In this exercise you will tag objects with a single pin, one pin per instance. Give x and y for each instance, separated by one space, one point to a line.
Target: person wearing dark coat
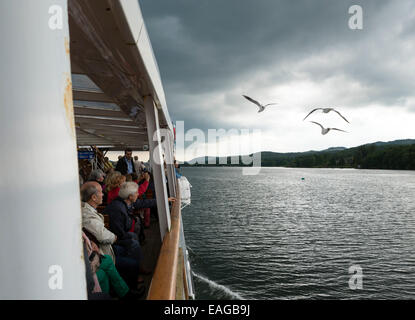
122 224
125 165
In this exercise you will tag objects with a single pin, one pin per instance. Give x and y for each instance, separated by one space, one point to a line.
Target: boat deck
151 250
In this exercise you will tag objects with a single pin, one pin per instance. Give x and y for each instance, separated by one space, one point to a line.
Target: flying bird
326 130
326 110
261 107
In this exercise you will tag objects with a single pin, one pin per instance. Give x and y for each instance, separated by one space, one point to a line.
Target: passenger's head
114 180
134 176
91 192
129 192
135 158
119 157
109 177
122 180
128 153
97 175
129 177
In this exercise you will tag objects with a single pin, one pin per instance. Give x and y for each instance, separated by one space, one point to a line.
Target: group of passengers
115 259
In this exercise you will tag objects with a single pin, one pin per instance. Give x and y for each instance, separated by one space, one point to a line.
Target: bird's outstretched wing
338 129
341 115
270 104
318 124
252 100
311 113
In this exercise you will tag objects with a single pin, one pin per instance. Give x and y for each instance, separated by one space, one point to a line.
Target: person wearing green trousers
101 263
108 277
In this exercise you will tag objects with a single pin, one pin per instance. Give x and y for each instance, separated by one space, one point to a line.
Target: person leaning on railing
143 204
176 170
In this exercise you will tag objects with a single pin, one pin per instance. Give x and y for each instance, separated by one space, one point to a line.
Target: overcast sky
300 54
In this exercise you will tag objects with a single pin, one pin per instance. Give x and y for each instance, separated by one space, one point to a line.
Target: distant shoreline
342 168
394 155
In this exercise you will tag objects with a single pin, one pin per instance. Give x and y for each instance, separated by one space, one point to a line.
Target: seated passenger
94 291
122 223
113 187
107 275
94 227
108 180
93 221
135 177
97 175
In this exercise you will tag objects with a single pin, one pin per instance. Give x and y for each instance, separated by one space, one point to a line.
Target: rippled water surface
276 236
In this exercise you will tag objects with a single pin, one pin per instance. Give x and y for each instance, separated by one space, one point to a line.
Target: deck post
42 253
171 176
154 139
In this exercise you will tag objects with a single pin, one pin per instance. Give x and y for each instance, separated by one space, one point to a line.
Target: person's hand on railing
171 199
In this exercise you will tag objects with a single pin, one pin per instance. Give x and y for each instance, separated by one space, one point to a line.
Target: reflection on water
278 236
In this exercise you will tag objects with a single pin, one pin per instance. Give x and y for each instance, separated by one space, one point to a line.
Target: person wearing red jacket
114 186
143 187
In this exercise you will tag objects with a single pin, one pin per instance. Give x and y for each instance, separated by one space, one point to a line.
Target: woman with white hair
122 223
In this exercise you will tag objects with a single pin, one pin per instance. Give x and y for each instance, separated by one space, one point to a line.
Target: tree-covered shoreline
395 155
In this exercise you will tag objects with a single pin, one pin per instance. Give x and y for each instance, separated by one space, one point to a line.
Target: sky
300 54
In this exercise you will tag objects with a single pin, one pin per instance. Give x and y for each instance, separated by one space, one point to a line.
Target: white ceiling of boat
110 76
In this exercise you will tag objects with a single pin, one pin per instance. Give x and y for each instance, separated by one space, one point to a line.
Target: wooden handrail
163 284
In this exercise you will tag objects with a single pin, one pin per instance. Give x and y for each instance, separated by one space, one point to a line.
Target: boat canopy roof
113 69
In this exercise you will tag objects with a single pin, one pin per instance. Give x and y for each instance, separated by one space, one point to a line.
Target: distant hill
398 154
202 160
334 149
395 142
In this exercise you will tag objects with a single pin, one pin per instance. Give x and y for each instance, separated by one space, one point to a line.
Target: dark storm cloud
206 47
208 44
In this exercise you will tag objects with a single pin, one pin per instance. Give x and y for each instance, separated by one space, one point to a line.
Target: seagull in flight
261 107
326 130
326 110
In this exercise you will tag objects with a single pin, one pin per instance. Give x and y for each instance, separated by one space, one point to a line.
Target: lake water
278 236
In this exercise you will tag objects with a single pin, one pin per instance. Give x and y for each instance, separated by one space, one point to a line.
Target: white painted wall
40 218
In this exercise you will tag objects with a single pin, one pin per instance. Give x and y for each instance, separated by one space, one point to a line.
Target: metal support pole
42 254
157 165
171 176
